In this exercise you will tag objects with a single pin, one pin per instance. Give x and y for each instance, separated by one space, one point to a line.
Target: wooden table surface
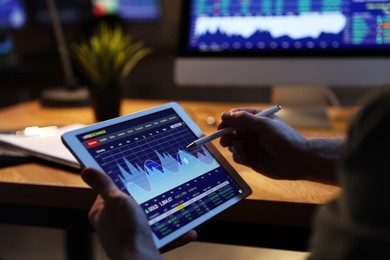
45 185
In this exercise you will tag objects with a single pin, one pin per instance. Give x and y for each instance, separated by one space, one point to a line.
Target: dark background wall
36 66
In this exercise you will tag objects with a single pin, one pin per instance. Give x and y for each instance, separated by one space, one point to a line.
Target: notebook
46 145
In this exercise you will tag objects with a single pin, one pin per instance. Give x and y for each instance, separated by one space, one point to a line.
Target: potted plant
106 59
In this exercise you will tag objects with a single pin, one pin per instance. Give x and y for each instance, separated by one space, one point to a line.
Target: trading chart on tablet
146 157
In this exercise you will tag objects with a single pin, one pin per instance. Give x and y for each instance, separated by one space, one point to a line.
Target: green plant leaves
108 56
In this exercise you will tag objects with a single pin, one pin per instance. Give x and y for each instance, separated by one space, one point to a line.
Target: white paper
49 148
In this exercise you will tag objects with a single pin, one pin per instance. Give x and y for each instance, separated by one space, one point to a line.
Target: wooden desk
58 197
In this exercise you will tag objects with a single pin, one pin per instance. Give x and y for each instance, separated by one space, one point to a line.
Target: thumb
99 182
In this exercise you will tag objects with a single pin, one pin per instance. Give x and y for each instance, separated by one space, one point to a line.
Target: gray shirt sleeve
356 225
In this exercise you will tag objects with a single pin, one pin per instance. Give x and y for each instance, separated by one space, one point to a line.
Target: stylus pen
226 130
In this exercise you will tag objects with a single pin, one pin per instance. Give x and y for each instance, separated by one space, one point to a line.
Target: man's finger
99 182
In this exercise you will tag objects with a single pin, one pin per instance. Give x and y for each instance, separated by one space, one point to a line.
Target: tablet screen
147 158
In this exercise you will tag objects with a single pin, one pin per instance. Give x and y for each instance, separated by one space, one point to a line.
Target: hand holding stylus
226 130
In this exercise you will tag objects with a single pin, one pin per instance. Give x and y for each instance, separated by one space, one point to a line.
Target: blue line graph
153 178
154 160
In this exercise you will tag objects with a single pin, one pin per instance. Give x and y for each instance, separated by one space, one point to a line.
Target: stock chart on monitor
277 25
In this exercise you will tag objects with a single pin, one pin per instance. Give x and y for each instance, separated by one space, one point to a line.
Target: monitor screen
128 10
313 45
12 14
69 11
288 27
284 42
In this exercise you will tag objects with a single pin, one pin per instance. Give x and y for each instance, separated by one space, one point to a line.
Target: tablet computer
145 154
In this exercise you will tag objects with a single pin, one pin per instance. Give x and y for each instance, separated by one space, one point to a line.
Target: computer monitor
128 10
70 12
284 44
12 14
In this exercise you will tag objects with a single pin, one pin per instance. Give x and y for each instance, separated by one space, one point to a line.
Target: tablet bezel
82 155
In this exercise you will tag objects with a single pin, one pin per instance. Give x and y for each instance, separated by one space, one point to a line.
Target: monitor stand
304 107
